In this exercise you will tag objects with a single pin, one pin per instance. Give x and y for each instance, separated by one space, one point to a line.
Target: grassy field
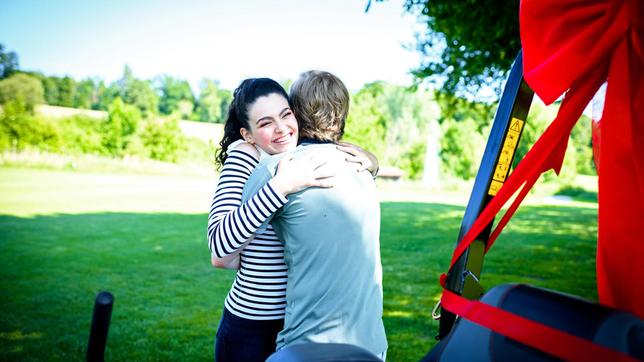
64 236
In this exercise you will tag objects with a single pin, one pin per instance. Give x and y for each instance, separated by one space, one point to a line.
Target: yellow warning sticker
505 158
495 186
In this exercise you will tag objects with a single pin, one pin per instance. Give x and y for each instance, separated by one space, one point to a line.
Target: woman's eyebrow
268 118
287 109
265 118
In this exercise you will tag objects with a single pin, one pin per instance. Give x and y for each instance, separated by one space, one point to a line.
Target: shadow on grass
578 193
548 246
168 299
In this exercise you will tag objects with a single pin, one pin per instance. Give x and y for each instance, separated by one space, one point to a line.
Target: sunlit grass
64 236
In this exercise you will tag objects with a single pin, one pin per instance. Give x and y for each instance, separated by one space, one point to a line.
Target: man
331 236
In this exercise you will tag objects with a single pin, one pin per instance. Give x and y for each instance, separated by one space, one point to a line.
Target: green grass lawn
65 236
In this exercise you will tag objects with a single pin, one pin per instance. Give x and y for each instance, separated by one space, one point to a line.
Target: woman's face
273 126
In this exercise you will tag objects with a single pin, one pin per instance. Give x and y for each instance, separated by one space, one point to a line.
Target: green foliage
163 138
578 193
578 157
468 45
366 125
123 133
538 120
213 102
198 150
94 94
8 62
138 93
391 122
461 148
119 127
85 94
23 89
458 109
81 135
66 91
581 137
106 95
173 91
50 86
20 130
413 160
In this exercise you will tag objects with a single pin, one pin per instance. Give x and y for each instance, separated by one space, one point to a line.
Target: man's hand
298 173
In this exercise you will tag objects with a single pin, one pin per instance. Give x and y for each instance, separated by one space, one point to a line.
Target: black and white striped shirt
259 289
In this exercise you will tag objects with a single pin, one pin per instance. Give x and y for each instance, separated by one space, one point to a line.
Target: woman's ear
247 136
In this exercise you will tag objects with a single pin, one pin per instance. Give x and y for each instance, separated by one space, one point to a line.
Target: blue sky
223 40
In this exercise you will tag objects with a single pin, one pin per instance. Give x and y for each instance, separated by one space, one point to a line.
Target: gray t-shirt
332 250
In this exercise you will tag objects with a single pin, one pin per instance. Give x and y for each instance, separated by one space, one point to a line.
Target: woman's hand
360 158
227 262
298 173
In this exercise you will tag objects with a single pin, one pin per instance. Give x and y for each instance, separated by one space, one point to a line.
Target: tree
468 45
391 121
50 85
21 88
366 123
106 95
212 105
172 92
138 93
8 63
226 98
85 94
66 91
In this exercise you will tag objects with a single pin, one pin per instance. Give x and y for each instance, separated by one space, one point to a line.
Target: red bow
573 47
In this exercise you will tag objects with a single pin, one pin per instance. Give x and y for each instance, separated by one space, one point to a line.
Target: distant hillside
207 132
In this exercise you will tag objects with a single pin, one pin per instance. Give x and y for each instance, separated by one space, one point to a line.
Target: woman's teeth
282 139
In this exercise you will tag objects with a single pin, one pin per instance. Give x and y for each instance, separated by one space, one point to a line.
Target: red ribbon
528 332
573 47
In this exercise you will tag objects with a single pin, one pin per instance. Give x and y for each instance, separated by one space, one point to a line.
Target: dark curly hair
245 95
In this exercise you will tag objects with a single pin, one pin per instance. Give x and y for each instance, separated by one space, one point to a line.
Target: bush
123 133
20 130
120 126
82 134
163 139
22 88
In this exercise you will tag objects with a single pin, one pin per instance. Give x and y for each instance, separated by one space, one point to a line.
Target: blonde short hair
320 102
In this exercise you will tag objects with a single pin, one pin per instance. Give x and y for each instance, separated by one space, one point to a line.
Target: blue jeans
241 339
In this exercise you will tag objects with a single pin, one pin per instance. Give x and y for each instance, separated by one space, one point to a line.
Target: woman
259 122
